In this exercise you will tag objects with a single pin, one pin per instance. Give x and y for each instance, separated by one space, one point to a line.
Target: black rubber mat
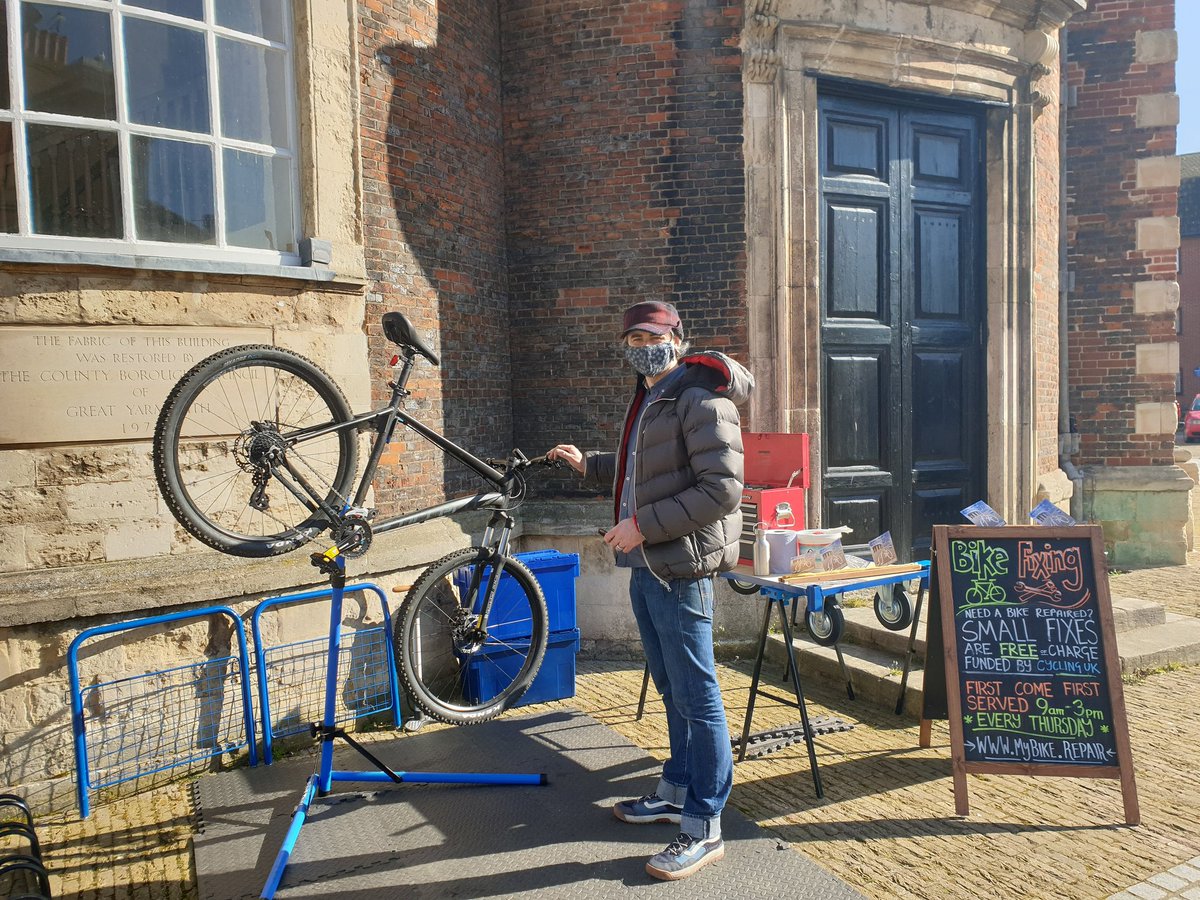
439 841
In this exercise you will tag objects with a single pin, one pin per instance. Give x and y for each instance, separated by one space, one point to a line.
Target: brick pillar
1123 238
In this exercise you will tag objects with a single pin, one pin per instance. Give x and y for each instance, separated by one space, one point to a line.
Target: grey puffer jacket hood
688 476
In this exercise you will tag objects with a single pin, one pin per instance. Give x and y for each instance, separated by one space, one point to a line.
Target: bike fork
495 542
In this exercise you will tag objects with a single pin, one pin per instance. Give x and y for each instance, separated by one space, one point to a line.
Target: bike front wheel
248 446
457 667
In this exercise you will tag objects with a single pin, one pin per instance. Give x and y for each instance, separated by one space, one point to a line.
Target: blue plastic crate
555 572
492 669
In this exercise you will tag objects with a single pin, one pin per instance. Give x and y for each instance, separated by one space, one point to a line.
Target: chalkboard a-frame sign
1022 658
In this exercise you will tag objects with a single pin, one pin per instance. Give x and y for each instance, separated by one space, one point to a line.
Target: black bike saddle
398 330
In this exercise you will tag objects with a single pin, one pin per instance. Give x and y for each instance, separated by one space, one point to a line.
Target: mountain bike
256 454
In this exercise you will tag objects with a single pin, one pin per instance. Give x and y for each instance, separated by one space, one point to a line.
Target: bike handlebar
521 462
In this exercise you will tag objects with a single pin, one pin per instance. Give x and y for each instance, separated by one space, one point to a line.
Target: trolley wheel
744 587
825 626
893 609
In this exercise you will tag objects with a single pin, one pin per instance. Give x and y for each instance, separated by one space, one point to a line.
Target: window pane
252 93
258 202
68 61
173 191
8 182
4 96
191 9
75 181
167 75
261 17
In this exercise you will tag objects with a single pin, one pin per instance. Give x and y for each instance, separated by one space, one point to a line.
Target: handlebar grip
505 464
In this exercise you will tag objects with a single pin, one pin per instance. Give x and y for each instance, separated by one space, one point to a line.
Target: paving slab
557 840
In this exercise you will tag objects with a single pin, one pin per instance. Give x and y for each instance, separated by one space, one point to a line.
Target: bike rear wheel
456 668
238 426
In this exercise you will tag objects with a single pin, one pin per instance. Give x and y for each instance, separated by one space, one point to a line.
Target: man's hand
624 536
570 454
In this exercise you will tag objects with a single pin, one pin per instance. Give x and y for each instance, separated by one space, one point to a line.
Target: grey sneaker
647 810
685 856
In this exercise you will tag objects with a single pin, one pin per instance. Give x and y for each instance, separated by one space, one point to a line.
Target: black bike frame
384 421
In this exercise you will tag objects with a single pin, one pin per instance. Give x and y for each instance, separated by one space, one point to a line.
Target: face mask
651 359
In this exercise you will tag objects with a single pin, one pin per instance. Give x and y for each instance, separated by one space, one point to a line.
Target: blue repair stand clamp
333 564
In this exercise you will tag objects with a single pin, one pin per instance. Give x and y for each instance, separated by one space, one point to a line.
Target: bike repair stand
333 564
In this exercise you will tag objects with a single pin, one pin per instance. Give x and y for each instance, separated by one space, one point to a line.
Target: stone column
767 315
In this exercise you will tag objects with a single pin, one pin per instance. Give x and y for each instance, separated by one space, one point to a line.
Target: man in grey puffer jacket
677 487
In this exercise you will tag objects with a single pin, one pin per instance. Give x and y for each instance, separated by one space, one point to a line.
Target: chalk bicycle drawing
256 453
983 593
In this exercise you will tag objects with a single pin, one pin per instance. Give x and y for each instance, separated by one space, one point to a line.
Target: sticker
883 551
1046 513
983 515
833 556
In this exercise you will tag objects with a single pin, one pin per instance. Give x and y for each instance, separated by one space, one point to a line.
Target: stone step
863 629
1130 613
875 673
875 670
1175 642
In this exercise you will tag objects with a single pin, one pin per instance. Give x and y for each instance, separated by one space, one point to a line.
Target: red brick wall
434 227
1103 206
625 182
528 171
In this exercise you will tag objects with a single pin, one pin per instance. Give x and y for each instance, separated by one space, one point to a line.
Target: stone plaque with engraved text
104 383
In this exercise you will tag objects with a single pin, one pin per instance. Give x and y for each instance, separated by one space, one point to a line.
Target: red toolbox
776 473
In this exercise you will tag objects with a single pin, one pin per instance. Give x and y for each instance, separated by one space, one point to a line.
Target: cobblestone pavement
886 825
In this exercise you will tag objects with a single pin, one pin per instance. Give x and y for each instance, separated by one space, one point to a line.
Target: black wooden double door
902 342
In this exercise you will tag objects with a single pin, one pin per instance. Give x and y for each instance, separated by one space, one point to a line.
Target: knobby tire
448 670
207 454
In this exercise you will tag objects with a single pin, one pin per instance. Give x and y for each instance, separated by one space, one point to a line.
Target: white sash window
161 128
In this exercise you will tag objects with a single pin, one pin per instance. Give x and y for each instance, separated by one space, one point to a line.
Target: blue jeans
675 622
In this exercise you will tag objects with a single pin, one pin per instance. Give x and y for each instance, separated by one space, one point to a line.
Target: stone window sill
148 264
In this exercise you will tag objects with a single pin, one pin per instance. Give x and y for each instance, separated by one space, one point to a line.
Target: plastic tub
813 539
817 537
493 668
555 573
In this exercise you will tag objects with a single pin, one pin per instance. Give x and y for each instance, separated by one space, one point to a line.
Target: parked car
1191 422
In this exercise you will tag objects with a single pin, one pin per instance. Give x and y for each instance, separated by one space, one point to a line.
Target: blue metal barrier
130 735
368 684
